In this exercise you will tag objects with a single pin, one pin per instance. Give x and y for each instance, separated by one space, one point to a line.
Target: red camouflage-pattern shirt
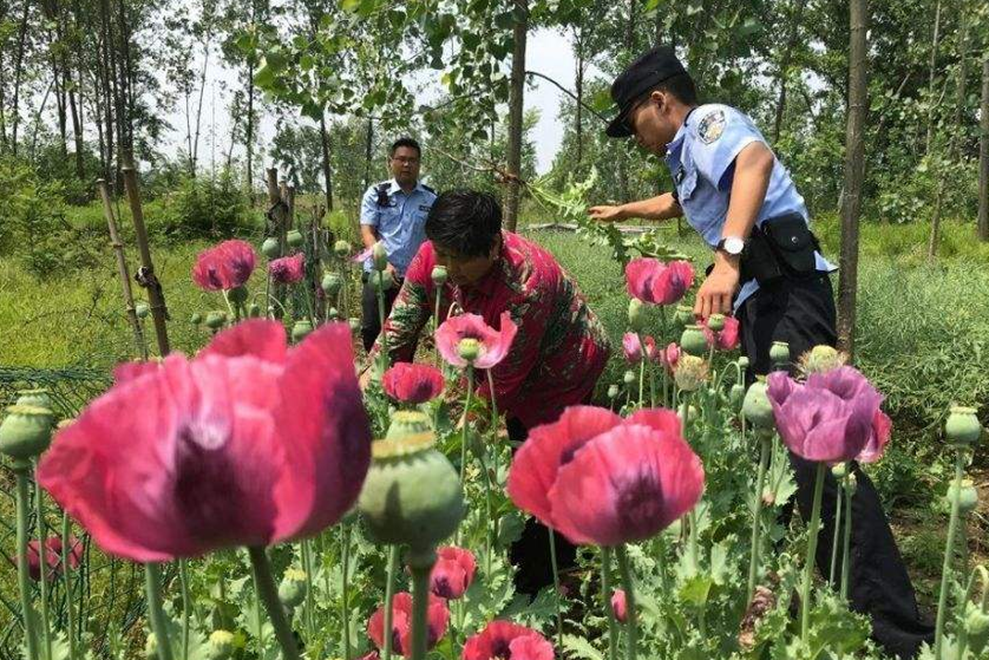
560 349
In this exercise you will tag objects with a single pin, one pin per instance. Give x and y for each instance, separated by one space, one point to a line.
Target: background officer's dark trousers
802 313
370 323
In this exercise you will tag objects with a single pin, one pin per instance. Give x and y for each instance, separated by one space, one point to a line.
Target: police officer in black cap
768 270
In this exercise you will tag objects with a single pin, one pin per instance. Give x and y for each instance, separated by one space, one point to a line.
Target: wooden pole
122 269
983 227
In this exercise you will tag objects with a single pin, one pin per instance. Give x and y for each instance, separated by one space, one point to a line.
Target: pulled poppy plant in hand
830 418
225 266
438 617
412 383
493 345
503 640
249 443
652 281
633 348
726 339
453 572
602 480
288 270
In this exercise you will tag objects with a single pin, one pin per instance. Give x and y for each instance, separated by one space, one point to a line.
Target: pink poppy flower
412 383
633 349
503 640
831 418
602 480
401 623
652 281
669 356
618 605
727 339
453 572
493 344
249 443
882 429
288 270
53 556
225 266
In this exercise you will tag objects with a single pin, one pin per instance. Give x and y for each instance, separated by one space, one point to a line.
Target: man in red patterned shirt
560 349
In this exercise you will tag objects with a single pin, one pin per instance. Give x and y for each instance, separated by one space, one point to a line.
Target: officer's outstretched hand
606 213
717 290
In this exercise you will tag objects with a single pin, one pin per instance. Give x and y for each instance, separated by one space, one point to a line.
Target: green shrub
205 207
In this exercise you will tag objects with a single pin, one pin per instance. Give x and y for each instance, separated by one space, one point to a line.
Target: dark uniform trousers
801 312
370 323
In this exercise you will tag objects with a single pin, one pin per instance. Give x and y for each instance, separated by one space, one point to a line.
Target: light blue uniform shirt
701 159
401 224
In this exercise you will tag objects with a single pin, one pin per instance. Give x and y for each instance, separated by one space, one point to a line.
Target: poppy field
266 506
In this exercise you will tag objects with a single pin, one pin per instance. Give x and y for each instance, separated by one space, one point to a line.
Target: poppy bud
342 249
851 484
439 275
469 349
840 471
743 363
690 373
629 377
301 330
716 322
379 257
196 318
26 431
636 315
757 408
221 645
613 391
333 314
332 282
693 340
216 320
293 238
779 355
683 316
962 428
737 397
967 496
270 248
141 310
292 590
38 398
382 279
237 295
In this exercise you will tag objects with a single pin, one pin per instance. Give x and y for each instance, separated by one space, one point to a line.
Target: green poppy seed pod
839 471
743 363
342 249
293 238
151 647
691 373
355 324
292 589
968 497
613 391
221 645
216 320
469 348
756 407
629 377
396 506
821 359
716 322
141 310
851 484
301 330
379 257
39 398
976 621
779 355
196 318
254 310
382 279
333 314
736 396
684 315
962 428
693 340
332 283
237 295
439 275
636 315
270 248
26 431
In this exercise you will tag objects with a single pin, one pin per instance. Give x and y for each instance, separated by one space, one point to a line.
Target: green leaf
696 589
581 648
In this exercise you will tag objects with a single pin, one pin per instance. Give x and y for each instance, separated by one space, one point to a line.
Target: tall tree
983 227
520 32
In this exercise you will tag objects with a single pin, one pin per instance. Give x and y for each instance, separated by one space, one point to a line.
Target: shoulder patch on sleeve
711 126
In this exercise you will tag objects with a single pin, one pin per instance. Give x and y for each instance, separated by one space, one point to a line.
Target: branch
570 94
489 167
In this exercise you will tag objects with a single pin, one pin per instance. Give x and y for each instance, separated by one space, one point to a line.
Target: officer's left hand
715 294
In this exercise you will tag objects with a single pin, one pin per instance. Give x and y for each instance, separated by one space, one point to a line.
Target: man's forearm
369 235
661 207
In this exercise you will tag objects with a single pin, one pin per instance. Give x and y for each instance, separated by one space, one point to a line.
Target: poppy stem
556 588
389 596
465 430
421 564
436 322
606 591
815 523
345 589
837 531
152 585
631 631
268 593
494 448
307 567
67 576
949 552
22 470
764 442
383 355
846 556
186 605
46 640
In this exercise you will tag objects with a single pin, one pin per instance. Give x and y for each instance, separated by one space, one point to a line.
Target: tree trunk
249 138
660 26
368 146
791 43
199 103
931 73
630 26
854 174
18 70
515 115
579 89
984 155
327 178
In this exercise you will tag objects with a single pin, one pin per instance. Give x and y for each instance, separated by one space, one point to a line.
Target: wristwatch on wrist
731 245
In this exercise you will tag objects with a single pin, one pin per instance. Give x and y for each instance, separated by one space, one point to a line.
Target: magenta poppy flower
288 270
652 281
726 339
882 429
453 572
503 640
633 349
830 418
618 605
412 383
493 344
249 443
669 356
602 480
225 266
53 556
401 623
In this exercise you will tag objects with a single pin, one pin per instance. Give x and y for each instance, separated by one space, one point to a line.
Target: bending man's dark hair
465 222
405 142
680 86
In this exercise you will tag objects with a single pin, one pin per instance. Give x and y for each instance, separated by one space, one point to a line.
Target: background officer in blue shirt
769 271
393 212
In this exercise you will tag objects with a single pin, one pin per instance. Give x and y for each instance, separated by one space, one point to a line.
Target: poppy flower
288 270
503 640
602 480
618 605
830 418
412 383
669 356
453 572
633 349
53 556
493 345
225 266
248 443
726 339
437 618
658 283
